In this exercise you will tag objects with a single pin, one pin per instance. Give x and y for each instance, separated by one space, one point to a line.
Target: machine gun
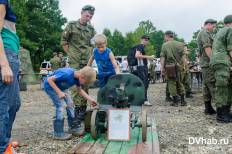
122 91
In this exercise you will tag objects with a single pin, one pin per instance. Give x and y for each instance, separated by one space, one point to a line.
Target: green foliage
39 27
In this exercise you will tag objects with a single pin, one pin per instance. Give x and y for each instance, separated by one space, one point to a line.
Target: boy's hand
93 103
62 95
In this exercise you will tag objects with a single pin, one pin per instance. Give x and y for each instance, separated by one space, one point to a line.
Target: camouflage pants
208 84
186 81
223 84
82 59
175 86
152 76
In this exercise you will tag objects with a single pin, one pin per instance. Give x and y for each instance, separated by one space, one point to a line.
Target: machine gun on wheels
122 91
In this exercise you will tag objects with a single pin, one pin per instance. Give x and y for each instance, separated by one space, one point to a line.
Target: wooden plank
97 149
84 147
113 147
133 141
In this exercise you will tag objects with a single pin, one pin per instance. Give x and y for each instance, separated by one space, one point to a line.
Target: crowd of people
67 87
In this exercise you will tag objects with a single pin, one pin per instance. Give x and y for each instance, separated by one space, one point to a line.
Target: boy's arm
90 62
54 86
85 95
117 70
7 75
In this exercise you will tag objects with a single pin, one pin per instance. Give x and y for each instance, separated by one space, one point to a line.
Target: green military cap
169 33
145 37
89 8
211 21
228 19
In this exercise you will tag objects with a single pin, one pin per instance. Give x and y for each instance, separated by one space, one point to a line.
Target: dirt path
175 125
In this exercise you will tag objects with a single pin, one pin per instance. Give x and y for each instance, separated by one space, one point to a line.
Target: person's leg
9 101
207 78
14 100
180 87
172 88
58 122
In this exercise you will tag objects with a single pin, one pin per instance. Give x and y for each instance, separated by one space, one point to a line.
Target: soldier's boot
168 99
59 133
228 110
182 101
174 101
75 124
209 109
189 95
223 115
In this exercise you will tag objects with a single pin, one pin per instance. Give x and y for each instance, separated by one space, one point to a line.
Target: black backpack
132 61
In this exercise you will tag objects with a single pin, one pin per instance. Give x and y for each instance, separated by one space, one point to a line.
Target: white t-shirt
124 65
158 67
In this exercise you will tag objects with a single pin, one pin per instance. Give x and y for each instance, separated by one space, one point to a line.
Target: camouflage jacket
78 37
55 63
173 52
221 47
204 40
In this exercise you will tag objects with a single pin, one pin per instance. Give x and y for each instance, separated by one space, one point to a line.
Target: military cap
169 33
54 53
228 19
211 21
145 37
89 8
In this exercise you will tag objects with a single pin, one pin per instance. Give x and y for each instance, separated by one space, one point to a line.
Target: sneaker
147 103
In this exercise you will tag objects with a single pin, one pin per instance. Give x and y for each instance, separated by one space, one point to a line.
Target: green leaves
39 25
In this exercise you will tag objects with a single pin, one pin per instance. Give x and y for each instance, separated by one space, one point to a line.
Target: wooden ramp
87 145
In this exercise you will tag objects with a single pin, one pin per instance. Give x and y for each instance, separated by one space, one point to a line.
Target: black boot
168 99
228 110
189 95
174 101
75 126
223 115
209 109
182 101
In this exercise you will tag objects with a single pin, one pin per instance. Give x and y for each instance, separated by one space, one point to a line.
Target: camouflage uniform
205 40
221 64
186 77
172 51
55 63
152 71
78 37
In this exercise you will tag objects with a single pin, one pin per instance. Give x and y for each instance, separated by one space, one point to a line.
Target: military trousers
186 81
223 84
175 86
208 84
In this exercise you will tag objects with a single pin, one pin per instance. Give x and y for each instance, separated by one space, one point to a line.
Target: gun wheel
94 128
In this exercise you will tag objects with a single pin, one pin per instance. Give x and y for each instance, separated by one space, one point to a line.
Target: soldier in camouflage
76 42
186 74
221 64
152 71
205 42
55 61
172 54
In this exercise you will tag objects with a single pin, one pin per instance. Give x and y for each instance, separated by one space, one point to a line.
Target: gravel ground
175 125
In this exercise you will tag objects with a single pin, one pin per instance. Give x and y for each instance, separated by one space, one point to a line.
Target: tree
118 43
39 27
